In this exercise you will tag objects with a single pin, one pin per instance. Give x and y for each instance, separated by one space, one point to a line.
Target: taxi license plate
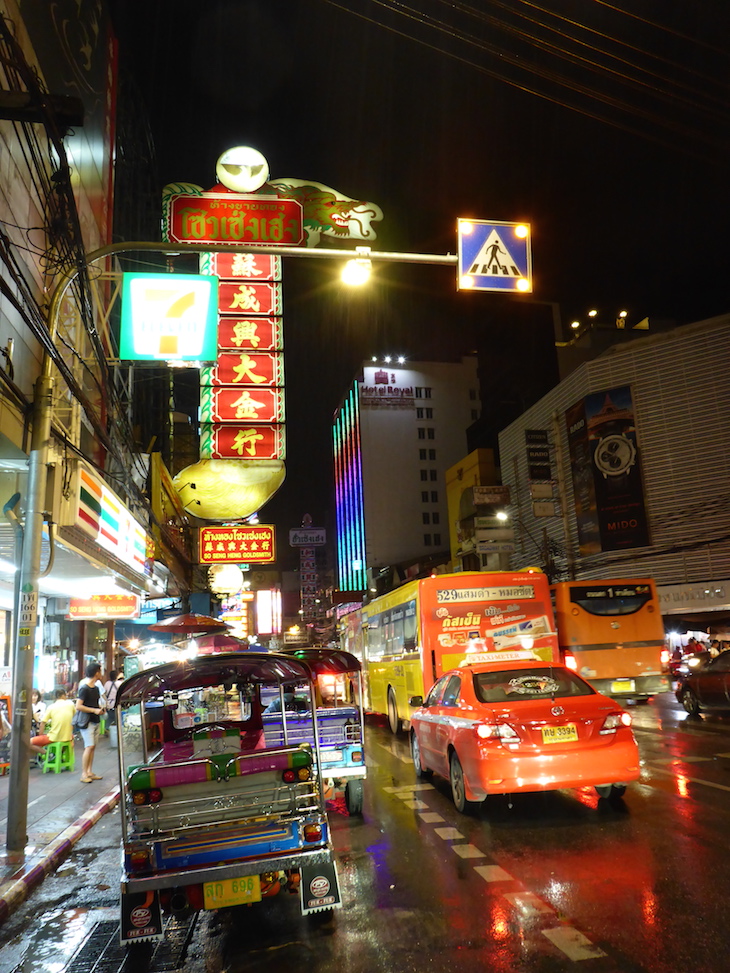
623 686
231 891
559 734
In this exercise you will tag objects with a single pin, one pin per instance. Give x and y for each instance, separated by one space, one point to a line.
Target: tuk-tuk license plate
560 734
231 891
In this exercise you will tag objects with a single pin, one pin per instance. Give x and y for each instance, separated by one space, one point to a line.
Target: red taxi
504 727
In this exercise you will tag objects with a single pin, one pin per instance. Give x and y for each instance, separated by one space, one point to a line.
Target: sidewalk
60 810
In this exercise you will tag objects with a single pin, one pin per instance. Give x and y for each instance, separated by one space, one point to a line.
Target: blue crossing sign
494 256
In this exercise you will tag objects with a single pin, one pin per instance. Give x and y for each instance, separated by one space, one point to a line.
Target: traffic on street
532 881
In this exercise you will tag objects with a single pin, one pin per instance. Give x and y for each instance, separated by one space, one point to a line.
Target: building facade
101 545
395 435
622 469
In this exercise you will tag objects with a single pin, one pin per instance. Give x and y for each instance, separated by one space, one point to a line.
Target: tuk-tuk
214 814
340 719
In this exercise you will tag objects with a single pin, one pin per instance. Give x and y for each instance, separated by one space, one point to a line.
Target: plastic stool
59 756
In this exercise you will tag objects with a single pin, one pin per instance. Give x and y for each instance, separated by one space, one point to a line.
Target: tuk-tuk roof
256 667
322 660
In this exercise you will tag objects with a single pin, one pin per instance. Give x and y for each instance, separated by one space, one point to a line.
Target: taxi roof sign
494 256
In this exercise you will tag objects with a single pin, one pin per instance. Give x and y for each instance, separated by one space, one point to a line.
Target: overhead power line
576 66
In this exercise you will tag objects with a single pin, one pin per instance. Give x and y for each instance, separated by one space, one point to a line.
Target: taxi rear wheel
611 792
421 771
458 788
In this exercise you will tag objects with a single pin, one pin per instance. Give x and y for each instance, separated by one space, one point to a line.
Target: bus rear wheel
393 719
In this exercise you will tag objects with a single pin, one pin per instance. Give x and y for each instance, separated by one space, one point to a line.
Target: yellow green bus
407 638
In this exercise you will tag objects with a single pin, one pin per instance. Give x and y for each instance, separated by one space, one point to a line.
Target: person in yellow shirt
56 726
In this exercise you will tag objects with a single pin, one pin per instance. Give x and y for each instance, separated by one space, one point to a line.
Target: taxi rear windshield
542 682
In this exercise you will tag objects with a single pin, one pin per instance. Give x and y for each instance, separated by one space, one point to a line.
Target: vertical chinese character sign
242 395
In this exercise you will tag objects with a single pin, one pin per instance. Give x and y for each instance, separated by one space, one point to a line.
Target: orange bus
612 634
407 638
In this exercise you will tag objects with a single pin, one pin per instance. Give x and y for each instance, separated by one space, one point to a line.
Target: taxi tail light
614 721
496 731
570 662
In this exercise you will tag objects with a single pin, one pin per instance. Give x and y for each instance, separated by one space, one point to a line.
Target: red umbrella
213 644
190 622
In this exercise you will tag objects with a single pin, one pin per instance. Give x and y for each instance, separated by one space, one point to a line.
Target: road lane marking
431 817
692 780
681 760
493 873
449 834
468 851
574 944
528 903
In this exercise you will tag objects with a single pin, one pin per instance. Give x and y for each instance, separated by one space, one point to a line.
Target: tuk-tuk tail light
357 756
312 832
294 775
151 796
139 860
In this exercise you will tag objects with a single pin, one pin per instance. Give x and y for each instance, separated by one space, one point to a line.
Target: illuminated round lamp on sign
225 579
466 282
523 284
522 231
242 169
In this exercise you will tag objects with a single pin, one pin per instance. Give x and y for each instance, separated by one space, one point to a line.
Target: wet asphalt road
540 883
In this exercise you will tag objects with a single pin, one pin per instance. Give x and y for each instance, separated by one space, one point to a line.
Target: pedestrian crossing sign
494 256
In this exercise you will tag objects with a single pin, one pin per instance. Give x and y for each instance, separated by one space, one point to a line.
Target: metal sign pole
25 627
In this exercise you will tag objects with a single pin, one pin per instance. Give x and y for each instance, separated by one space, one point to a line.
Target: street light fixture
358 270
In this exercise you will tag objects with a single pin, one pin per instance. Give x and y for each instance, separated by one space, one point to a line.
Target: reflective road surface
540 883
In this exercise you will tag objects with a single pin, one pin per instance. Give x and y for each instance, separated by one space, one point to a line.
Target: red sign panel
104 606
241 442
249 297
258 370
237 545
223 403
252 266
252 334
235 218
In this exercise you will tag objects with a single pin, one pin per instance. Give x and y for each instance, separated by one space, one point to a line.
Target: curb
52 855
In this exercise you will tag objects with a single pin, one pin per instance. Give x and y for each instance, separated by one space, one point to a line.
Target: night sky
607 132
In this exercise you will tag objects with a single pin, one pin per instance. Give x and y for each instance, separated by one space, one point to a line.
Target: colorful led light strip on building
351 554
